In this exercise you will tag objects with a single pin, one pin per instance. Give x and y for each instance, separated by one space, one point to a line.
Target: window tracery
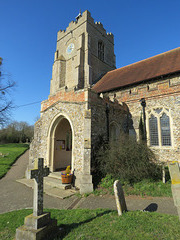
159 127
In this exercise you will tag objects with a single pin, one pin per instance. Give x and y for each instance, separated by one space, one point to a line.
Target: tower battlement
85 17
84 53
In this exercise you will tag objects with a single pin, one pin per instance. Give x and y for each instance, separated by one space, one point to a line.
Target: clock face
70 48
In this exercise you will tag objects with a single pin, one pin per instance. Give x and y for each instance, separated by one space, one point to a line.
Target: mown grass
10 153
100 224
145 187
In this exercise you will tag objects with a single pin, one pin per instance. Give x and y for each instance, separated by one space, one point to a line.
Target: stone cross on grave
38 175
39 225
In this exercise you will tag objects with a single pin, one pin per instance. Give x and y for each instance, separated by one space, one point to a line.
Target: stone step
56 183
51 190
56 175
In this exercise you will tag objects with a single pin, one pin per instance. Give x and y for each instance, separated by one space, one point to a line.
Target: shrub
97 174
128 160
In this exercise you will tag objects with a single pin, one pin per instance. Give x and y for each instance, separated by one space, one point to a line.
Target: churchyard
9 154
38 225
90 224
100 224
134 164
118 131
143 188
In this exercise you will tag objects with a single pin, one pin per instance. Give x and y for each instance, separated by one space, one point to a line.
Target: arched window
159 128
153 130
101 50
165 130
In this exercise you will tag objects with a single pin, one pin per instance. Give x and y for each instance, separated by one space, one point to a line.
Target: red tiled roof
159 65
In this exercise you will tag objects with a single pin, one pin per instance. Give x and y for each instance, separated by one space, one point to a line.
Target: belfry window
101 50
159 127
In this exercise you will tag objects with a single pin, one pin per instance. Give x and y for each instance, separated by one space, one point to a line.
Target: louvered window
101 50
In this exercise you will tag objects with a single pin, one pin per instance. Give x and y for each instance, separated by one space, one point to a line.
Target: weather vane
79 15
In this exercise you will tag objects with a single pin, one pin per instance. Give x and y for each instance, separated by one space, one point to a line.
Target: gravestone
120 199
175 183
39 225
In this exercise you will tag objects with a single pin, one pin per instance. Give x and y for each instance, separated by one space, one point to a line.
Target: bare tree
6 85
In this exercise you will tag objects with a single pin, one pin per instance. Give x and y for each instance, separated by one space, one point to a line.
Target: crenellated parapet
85 17
110 36
84 53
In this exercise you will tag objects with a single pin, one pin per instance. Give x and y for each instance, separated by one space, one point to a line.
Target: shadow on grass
67 228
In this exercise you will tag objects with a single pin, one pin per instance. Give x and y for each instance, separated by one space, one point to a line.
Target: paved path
15 195
153 204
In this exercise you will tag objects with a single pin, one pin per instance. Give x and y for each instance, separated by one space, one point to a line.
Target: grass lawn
145 187
100 224
10 154
149 188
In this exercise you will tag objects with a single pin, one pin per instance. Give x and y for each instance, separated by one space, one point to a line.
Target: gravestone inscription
119 197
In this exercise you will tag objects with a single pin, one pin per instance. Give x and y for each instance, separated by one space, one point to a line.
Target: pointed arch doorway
60 144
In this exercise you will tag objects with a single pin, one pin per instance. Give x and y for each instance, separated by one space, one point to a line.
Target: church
90 98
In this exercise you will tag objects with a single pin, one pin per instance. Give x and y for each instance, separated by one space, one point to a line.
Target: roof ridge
146 69
143 60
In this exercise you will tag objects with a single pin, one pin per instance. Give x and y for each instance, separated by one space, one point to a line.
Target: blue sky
28 30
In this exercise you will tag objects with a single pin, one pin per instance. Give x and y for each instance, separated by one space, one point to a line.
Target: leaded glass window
159 127
153 128
165 130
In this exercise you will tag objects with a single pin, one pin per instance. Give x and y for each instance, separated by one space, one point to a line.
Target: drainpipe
107 120
143 104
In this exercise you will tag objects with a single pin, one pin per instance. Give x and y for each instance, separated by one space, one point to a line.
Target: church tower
68 126
84 53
